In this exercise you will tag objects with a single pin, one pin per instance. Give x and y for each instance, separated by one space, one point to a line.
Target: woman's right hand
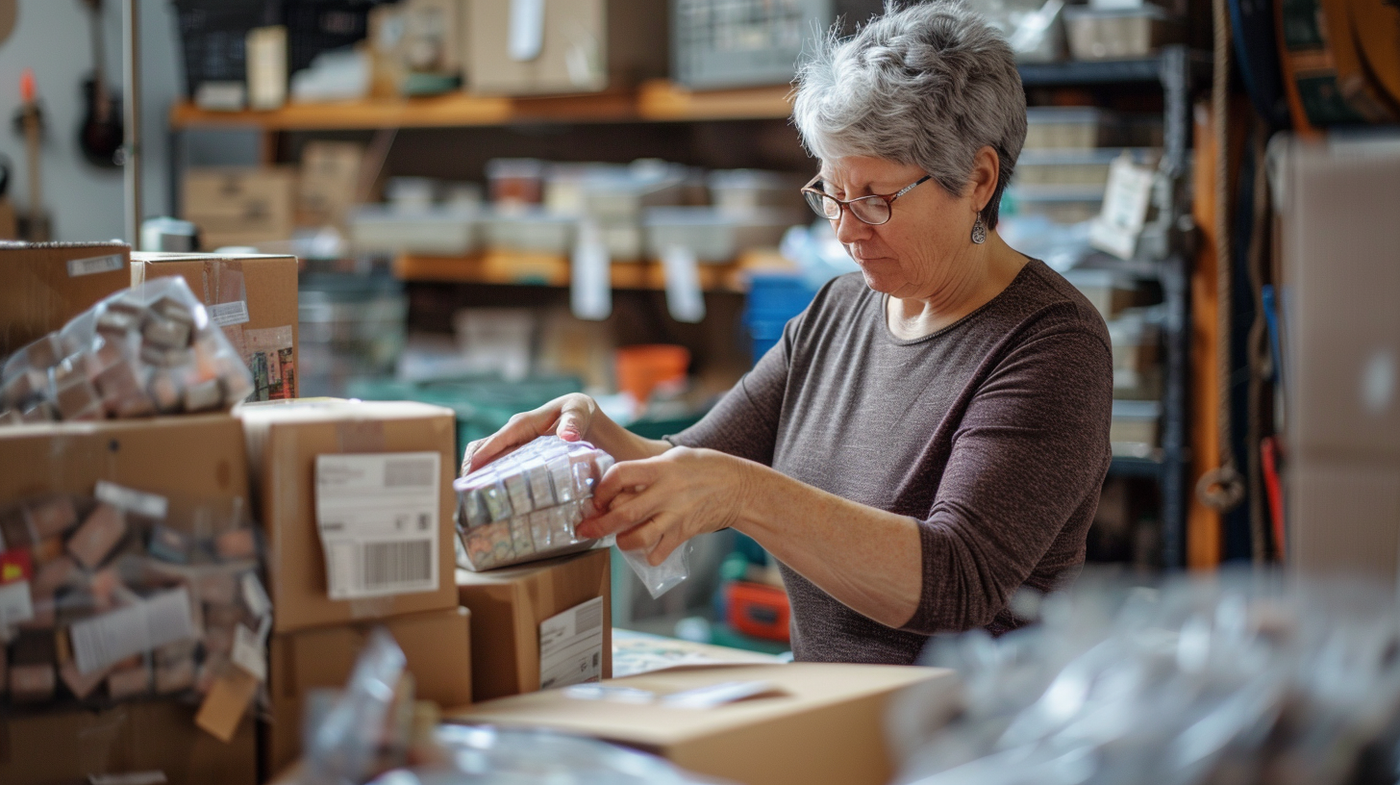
570 416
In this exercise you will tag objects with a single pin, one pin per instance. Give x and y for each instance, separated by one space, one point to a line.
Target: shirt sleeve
1031 450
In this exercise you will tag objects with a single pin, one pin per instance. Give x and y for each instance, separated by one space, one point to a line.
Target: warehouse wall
53 37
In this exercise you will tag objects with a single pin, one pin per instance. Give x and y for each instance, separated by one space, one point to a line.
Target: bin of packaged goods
1118 33
1076 167
524 507
612 194
1136 339
714 235
1080 127
743 190
529 230
1110 291
442 231
1133 431
1064 204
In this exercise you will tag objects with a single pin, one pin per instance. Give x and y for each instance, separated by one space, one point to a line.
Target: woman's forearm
868 559
621 443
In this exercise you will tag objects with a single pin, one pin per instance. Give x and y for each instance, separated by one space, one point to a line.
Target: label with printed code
378 516
228 314
571 646
94 265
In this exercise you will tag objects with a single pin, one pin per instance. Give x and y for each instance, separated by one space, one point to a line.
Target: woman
930 435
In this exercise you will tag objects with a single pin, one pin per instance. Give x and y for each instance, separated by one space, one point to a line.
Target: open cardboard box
812 722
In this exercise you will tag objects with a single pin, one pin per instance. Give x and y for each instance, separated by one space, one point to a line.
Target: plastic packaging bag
361 734
123 595
146 350
665 576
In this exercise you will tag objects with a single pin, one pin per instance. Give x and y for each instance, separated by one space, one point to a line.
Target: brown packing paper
227 702
508 605
437 646
284 440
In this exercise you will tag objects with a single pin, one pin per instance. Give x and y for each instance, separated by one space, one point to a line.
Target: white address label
95 264
378 515
571 646
151 623
228 314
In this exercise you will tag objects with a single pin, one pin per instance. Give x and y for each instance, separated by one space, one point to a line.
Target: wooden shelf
654 101
536 269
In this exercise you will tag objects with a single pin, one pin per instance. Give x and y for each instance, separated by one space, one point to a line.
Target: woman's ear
986 168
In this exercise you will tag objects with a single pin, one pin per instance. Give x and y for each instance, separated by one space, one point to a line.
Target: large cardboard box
436 644
43 285
329 181
508 607
389 527
239 205
578 46
153 741
815 722
254 299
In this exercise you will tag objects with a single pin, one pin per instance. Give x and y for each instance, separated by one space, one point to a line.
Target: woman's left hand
654 505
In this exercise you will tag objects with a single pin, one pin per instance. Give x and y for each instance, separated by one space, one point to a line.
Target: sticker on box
571 646
95 264
378 519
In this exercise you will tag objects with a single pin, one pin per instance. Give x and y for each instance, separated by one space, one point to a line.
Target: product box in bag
253 298
43 285
356 500
539 625
437 645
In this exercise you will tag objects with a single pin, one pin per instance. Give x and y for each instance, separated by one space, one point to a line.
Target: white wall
52 37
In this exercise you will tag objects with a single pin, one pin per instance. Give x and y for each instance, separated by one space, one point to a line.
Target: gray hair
928 85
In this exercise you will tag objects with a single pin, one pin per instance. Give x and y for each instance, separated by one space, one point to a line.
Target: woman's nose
850 228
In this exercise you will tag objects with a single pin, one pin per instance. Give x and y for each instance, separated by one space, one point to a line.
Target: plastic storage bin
1074 167
1116 34
1078 127
1109 291
1060 203
443 231
744 190
531 230
711 234
774 298
1134 428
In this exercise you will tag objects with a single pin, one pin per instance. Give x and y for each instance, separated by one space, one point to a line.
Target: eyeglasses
874 209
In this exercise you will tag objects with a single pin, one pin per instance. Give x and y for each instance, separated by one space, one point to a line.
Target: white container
621 196
1049 167
1059 203
534 231
1134 429
1079 127
410 193
743 190
713 235
624 241
1135 337
437 231
1109 291
1117 34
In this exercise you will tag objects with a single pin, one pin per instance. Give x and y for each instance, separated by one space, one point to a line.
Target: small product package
127 595
525 505
146 350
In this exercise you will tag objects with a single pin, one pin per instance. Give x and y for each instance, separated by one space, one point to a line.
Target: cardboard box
329 181
43 285
286 440
437 646
1344 519
187 457
509 605
254 299
129 740
818 722
239 205
584 46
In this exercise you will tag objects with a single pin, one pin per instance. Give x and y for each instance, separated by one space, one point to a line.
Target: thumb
573 422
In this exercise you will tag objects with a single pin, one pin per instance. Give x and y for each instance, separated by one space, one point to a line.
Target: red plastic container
758 609
641 368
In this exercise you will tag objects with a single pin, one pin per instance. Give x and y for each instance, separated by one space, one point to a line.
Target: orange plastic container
758 609
641 368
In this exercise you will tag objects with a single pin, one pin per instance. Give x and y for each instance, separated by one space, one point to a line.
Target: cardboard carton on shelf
239 205
584 46
367 484
43 285
150 741
253 298
805 722
545 623
436 644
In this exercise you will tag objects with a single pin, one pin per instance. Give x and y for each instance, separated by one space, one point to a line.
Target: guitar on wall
101 134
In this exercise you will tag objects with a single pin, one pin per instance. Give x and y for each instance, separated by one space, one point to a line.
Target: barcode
404 472
588 618
388 564
229 314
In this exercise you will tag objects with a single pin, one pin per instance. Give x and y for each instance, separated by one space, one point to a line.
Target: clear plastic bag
665 576
146 350
361 734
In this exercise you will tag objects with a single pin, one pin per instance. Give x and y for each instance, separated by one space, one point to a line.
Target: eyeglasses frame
845 204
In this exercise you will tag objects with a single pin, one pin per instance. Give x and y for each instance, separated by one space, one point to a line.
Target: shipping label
94 264
153 622
571 646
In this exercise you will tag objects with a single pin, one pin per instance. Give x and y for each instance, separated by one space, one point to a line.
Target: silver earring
979 231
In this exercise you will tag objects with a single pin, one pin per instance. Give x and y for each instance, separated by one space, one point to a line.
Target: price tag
590 294
1125 202
683 297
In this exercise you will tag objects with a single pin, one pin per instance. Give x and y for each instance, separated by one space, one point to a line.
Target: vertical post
131 110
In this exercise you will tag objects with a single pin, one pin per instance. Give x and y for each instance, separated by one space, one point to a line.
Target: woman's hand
654 505
570 416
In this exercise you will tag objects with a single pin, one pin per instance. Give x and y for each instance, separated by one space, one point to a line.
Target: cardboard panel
1345 519
284 439
508 605
437 646
43 285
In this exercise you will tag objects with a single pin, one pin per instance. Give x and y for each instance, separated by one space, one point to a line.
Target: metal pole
131 109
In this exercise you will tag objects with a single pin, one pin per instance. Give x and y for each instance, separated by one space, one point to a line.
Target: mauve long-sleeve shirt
991 434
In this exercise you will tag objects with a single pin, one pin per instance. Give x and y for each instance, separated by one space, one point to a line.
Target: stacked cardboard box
239 206
253 298
356 501
43 285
